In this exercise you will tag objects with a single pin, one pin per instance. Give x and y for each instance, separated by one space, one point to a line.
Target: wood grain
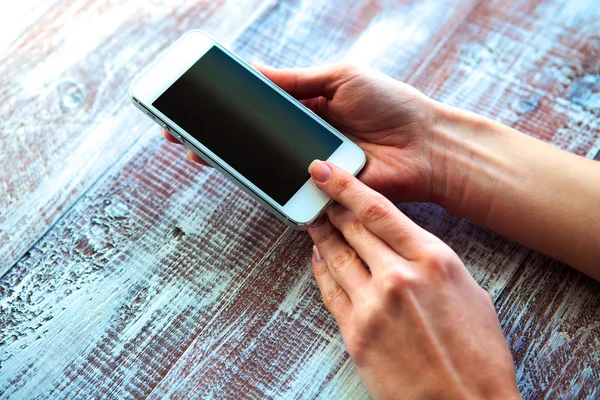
64 109
551 317
532 65
19 18
393 36
274 339
159 278
109 299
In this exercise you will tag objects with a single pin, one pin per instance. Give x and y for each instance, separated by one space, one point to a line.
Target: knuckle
440 261
397 284
332 297
344 69
323 235
376 210
370 324
355 227
342 258
357 345
375 318
342 185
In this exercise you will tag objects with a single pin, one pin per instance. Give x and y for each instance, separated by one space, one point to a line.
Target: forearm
520 187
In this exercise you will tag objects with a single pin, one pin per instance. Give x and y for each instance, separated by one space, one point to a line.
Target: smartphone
243 125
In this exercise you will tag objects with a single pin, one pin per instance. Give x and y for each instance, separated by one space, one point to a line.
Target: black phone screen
248 124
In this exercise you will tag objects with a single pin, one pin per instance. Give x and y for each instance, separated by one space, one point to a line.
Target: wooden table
129 272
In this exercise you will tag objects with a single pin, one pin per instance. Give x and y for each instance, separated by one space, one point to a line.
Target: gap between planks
119 162
224 306
414 76
439 45
123 156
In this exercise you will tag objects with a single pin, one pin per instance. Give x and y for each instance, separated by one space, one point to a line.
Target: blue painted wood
139 274
65 114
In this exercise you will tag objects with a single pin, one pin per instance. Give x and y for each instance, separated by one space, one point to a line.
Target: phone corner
295 225
131 89
301 225
363 159
133 99
196 31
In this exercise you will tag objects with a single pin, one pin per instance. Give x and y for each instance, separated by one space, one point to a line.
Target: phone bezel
307 203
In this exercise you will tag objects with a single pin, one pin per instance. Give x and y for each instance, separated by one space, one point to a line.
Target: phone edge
292 224
288 221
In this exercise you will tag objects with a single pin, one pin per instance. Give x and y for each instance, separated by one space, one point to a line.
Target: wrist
468 161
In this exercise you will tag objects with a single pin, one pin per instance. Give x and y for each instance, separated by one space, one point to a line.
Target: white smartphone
243 125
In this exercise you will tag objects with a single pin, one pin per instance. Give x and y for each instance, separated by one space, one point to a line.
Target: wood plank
276 340
393 36
107 301
129 333
531 65
20 18
64 109
126 331
551 317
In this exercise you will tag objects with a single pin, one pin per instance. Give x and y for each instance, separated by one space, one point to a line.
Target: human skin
419 149
401 339
416 324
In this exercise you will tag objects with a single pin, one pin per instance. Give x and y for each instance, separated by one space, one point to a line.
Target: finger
312 104
376 212
170 138
318 105
336 300
190 155
370 248
306 83
344 264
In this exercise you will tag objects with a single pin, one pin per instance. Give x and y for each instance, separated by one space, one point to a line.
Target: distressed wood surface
114 293
551 317
534 66
65 116
138 274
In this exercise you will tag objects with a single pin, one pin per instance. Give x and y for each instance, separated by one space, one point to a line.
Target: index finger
190 154
371 208
307 83
169 137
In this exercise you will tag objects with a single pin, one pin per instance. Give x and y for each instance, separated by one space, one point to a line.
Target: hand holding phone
243 125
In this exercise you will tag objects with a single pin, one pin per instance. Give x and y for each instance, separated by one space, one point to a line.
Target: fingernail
188 155
320 171
318 256
319 221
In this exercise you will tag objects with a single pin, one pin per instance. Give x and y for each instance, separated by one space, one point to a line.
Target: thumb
307 83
